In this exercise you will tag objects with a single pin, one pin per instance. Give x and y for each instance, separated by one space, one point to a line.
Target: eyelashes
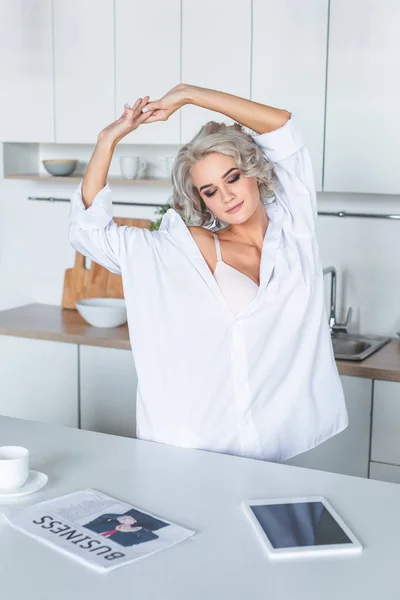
235 178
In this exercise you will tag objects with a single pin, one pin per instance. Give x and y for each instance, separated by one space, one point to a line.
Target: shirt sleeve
94 233
286 149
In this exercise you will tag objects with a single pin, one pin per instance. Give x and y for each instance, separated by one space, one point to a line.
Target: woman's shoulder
200 233
204 239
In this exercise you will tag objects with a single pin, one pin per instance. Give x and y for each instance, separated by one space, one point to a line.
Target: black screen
299 524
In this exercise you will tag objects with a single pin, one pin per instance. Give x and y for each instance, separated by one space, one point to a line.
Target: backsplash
366 254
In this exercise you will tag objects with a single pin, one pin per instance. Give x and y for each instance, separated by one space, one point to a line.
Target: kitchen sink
352 346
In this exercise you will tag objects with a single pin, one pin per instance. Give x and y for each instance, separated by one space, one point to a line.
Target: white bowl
60 167
102 312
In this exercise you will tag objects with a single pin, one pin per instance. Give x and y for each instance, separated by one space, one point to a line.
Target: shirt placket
249 440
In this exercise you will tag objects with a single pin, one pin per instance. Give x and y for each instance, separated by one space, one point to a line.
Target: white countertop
201 491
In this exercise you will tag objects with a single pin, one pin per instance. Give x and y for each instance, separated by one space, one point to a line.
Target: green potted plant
161 212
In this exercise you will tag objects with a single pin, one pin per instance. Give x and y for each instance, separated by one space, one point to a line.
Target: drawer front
385 446
384 472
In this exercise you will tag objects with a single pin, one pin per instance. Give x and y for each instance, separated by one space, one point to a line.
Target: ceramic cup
166 164
14 467
132 166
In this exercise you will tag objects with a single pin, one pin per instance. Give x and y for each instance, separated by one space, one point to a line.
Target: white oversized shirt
262 383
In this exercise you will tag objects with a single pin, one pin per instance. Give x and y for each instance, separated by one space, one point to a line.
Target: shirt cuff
282 142
98 215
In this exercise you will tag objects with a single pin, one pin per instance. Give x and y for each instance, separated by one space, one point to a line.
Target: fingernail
127 105
145 109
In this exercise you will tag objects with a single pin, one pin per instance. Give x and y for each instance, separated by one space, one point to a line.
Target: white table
202 491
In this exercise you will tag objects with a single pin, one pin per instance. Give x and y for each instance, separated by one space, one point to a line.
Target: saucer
36 480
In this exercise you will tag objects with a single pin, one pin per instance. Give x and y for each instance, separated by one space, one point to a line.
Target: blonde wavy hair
231 140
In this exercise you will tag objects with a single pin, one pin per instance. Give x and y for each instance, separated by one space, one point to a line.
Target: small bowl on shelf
60 167
102 312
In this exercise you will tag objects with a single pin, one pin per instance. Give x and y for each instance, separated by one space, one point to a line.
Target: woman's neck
252 232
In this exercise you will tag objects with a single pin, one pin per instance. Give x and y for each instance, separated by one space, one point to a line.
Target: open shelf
78 178
24 161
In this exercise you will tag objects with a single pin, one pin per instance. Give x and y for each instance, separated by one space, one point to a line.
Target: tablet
300 527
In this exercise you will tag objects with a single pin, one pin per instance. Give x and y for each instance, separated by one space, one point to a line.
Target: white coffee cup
132 166
166 164
14 467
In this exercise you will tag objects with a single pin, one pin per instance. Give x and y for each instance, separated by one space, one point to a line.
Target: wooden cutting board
96 282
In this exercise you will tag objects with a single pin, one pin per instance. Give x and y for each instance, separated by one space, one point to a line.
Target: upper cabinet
147 62
83 69
68 67
289 64
26 71
216 53
363 94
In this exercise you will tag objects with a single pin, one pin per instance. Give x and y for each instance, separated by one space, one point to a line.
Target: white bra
237 289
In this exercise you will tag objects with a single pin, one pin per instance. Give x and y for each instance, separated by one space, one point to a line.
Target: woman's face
223 188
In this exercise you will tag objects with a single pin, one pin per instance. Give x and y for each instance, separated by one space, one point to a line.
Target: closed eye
235 178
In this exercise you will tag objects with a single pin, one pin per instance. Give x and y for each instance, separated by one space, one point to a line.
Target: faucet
333 325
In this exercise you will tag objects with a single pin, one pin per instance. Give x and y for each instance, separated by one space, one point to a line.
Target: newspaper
96 529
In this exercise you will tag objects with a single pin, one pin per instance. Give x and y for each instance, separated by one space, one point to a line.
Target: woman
228 328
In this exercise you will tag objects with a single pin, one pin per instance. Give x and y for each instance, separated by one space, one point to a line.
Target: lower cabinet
385 441
39 380
108 385
384 472
385 445
347 452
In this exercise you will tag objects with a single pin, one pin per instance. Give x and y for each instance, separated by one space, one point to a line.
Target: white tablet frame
354 547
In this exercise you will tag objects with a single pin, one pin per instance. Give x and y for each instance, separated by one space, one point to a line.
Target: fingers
141 105
138 101
144 111
137 107
133 107
151 119
151 106
154 117
144 117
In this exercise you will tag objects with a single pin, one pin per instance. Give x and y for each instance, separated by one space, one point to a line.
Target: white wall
34 249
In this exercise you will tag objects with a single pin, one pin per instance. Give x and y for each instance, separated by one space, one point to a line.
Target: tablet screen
298 524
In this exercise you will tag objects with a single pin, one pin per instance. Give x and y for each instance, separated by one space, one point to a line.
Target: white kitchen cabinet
385 446
383 472
147 62
39 380
348 451
289 65
108 384
216 53
26 71
83 69
363 92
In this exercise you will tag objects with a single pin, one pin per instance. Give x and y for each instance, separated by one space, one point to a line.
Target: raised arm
258 117
97 170
92 230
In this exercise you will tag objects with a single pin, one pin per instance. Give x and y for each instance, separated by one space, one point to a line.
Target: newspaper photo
100 531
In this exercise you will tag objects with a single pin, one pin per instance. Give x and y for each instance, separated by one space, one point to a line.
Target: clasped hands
163 108
143 112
